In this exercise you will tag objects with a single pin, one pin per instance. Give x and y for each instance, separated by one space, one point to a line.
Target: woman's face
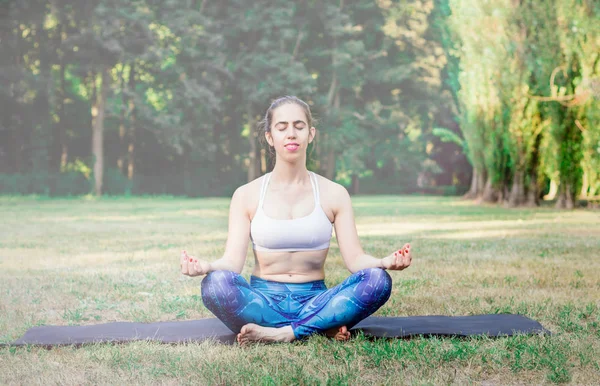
290 133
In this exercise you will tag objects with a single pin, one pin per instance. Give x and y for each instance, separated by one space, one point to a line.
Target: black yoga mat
492 325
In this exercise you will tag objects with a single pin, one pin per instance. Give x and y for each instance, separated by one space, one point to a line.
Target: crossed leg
259 318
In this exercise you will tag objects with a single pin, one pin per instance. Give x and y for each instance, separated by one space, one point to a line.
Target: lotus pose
289 214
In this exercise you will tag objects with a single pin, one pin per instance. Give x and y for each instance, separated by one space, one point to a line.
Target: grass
86 261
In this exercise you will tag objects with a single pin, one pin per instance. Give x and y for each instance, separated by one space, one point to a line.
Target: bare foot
340 333
254 333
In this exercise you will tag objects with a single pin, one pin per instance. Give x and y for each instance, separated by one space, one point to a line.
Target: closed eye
283 125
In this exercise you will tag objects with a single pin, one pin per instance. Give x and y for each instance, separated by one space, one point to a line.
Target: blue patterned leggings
308 307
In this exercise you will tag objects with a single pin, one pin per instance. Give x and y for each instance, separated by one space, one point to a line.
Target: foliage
187 81
522 120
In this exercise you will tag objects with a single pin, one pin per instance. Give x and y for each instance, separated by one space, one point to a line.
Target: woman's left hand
399 260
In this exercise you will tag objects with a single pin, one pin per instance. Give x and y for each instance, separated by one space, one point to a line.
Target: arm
345 230
352 253
237 236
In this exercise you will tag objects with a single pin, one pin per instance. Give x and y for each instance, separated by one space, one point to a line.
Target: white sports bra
308 233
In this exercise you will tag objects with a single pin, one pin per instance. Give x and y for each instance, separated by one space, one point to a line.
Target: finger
193 267
405 258
397 257
404 252
400 259
186 265
186 259
406 261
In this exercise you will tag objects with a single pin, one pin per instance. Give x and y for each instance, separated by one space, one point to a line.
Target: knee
377 275
379 280
217 280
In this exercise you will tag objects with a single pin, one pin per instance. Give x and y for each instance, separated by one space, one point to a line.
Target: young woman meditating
288 214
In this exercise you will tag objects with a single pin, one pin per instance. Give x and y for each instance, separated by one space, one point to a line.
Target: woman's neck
289 174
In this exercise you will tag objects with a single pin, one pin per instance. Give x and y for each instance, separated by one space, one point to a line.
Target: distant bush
198 183
201 182
372 185
59 184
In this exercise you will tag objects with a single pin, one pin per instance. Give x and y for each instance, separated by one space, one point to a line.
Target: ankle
287 333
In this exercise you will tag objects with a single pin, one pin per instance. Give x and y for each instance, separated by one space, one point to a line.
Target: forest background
498 99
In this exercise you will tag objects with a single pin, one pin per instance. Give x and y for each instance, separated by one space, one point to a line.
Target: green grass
86 261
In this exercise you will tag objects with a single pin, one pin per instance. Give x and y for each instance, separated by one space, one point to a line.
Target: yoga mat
493 325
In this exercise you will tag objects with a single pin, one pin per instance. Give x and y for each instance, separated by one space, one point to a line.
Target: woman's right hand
191 266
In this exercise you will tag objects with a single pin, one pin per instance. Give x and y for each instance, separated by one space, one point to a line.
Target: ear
269 138
313 133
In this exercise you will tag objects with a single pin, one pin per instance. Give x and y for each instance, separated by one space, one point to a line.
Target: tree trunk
533 192
19 144
517 193
330 164
41 138
552 191
480 183
98 110
263 161
59 146
585 184
332 99
220 159
569 197
490 194
188 189
355 183
328 151
122 130
561 198
254 154
331 154
132 126
501 194
474 189
64 154
18 134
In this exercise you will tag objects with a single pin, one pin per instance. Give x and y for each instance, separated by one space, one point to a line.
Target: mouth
292 146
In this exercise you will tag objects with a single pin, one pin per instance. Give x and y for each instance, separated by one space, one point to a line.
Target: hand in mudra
399 260
191 266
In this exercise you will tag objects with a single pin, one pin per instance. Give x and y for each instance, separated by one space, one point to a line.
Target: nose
291 133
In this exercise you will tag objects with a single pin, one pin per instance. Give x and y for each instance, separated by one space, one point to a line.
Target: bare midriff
290 267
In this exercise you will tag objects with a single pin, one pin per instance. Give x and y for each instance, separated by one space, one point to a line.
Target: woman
288 215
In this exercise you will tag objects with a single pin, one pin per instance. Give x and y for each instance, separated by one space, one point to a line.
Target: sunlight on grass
87 261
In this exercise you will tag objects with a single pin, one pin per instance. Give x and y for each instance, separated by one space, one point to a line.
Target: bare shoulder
329 187
334 196
249 195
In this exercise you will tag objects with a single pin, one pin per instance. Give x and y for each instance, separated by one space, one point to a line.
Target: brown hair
265 124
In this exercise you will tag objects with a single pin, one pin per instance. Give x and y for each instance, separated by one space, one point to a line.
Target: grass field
86 261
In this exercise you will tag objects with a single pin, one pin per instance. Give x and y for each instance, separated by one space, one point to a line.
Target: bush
56 184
